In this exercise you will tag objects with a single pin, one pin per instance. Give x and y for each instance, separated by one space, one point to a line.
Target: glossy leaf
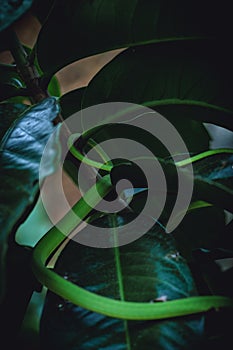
103 25
9 112
145 270
179 80
20 155
213 179
11 10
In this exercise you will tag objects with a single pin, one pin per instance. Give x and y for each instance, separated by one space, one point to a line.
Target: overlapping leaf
147 269
185 79
214 180
9 112
94 26
149 266
71 102
42 8
20 155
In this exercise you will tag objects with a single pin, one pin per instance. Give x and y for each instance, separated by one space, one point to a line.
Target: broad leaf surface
182 79
11 10
102 25
71 102
20 155
144 270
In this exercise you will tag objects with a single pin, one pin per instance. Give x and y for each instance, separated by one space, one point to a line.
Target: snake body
100 304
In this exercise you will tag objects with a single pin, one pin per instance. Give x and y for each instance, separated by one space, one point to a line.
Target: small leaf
54 87
20 155
11 10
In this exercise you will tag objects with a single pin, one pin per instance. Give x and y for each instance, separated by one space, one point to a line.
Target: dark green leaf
9 75
20 155
191 130
71 102
101 25
10 82
179 80
8 91
42 8
147 269
212 183
9 112
11 10
4 41
191 235
214 180
209 187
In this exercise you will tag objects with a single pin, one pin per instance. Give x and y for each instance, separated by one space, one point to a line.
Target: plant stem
26 69
29 73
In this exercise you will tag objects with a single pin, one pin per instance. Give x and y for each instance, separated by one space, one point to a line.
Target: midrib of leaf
119 274
148 42
178 101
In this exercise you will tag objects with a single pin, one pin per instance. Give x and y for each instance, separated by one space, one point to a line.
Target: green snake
100 304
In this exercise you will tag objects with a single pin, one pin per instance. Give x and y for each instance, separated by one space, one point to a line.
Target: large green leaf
78 28
145 270
20 155
182 79
71 102
11 10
